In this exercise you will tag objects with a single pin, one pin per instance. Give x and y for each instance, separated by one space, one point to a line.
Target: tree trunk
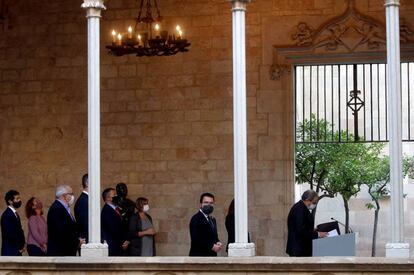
346 206
374 233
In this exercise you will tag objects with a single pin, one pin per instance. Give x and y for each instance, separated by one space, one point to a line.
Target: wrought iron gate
348 103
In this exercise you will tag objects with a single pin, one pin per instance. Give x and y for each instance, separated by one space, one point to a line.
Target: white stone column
397 247
241 247
94 248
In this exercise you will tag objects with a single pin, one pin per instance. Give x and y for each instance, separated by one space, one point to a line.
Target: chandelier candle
146 38
113 37
130 32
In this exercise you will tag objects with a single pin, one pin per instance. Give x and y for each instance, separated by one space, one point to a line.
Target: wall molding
351 37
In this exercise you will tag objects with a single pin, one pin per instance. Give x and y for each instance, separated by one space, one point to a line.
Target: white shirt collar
111 205
204 214
11 207
85 192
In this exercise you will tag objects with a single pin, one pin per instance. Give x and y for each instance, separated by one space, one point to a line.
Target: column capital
93 4
389 3
93 7
239 5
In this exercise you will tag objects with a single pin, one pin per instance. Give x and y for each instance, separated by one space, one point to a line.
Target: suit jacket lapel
66 211
16 217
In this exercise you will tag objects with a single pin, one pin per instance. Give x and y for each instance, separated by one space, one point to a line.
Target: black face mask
207 209
17 204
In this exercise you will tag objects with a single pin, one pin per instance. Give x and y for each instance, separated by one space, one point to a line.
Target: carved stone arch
346 38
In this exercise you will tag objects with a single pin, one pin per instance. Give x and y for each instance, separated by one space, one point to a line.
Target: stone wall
166 121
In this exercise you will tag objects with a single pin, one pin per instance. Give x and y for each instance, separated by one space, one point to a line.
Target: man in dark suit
13 242
203 229
81 209
63 237
301 229
113 231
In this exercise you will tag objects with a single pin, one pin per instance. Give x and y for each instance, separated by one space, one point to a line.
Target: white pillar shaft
94 144
240 121
93 14
394 106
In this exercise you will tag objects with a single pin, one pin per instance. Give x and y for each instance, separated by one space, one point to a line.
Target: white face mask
72 200
312 206
146 208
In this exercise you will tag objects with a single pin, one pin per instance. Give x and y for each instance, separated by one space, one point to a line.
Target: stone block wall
166 121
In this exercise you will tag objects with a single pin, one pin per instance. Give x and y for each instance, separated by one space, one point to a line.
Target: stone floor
195 266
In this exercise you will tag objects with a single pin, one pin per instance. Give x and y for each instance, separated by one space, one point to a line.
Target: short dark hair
106 192
10 196
206 195
309 195
85 182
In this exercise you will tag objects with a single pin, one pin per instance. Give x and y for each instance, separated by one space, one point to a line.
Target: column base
397 250
242 250
94 250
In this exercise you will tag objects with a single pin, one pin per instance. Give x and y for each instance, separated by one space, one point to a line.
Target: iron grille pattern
326 110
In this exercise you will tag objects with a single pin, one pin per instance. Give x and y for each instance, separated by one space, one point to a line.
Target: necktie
210 221
17 216
118 211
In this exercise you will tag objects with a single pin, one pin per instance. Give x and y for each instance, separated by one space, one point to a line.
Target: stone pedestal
242 250
397 250
94 250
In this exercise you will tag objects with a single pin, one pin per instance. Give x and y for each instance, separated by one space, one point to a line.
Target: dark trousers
34 250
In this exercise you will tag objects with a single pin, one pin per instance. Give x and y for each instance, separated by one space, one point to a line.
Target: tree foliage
330 167
333 168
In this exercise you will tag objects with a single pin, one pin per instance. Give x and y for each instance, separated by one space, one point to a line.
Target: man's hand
125 245
216 247
82 241
323 234
23 249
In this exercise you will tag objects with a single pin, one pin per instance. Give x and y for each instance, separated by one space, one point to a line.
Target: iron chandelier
147 38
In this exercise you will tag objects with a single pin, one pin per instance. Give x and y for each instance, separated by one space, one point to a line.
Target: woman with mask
141 231
37 235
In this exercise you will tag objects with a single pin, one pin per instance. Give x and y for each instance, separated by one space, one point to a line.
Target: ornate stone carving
279 70
347 37
346 32
302 34
96 4
406 33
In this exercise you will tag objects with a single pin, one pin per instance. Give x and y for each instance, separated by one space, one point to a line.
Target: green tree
331 167
378 187
350 169
313 160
